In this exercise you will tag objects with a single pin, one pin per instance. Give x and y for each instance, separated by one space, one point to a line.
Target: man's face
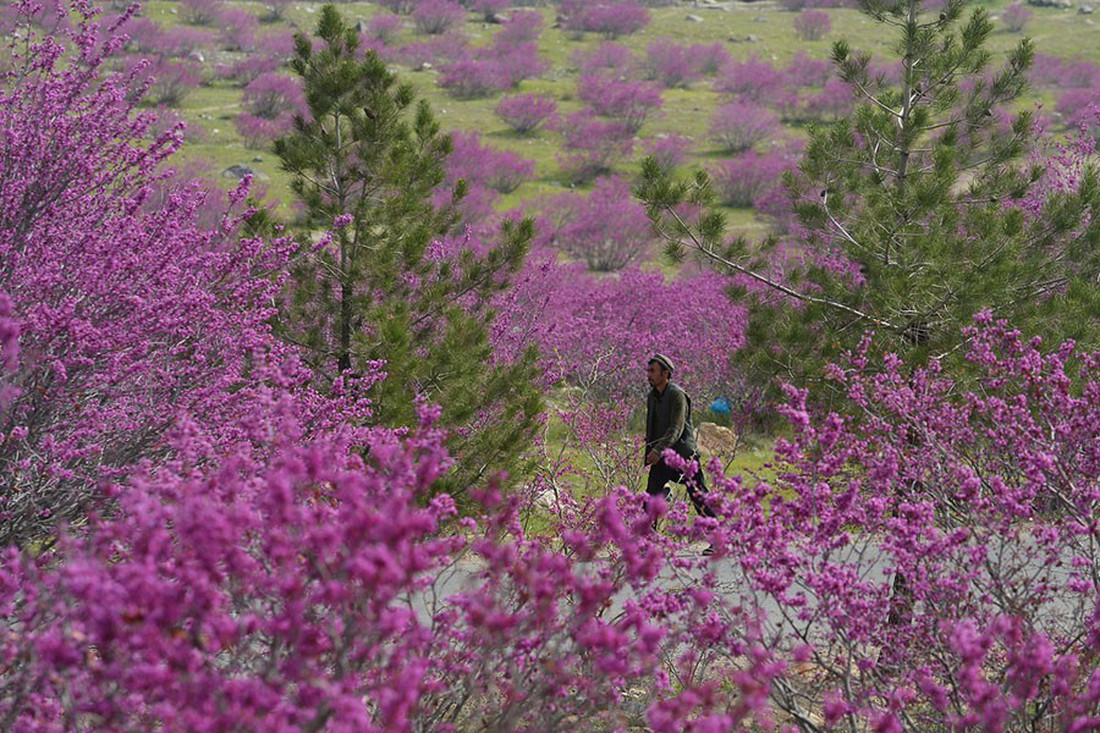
655 374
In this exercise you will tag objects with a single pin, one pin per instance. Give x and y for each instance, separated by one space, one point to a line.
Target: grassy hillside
760 29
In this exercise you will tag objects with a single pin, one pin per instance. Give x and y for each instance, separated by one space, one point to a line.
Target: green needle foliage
378 291
915 192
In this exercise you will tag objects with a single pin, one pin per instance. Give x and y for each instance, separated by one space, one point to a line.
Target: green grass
685 111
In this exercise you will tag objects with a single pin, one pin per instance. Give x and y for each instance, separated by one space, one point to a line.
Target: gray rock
237 171
693 19
425 66
257 159
1085 10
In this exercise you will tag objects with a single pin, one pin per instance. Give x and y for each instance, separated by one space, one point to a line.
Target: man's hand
652 457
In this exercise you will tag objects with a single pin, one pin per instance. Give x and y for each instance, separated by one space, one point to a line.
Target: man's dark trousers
660 473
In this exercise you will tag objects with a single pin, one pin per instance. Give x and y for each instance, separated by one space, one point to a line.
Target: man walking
668 425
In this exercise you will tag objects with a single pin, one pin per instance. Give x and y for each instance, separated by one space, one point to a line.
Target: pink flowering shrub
440 50
271 102
609 18
812 25
168 82
669 151
592 146
435 17
945 554
499 170
383 28
475 78
750 80
1053 71
130 319
835 99
671 64
596 330
806 71
738 126
521 26
742 179
607 229
526 113
630 102
709 58
606 57
1015 17
249 68
517 61
490 69
239 28
1073 105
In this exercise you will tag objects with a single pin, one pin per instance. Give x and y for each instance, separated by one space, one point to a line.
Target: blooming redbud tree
434 17
1015 17
812 25
130 318
271 102
526 113
739 125
609 18
592 146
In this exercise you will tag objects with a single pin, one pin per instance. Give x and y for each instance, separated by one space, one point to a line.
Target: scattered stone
1063 4
1085 10
496 18
547 500
752 38
693 19
425 66
257 159
237 171
716 440
196 55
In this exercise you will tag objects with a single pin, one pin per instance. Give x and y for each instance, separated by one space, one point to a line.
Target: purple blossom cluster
508 60
526 113
609 18
229 547
488 172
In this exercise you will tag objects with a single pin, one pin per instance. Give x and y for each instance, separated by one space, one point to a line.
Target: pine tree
365 163
908 210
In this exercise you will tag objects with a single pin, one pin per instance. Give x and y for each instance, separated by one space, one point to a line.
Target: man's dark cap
663 361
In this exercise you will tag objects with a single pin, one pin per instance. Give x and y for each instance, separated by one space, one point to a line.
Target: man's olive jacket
668 422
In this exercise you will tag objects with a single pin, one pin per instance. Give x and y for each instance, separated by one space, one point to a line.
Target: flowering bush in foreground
131 316
929 565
